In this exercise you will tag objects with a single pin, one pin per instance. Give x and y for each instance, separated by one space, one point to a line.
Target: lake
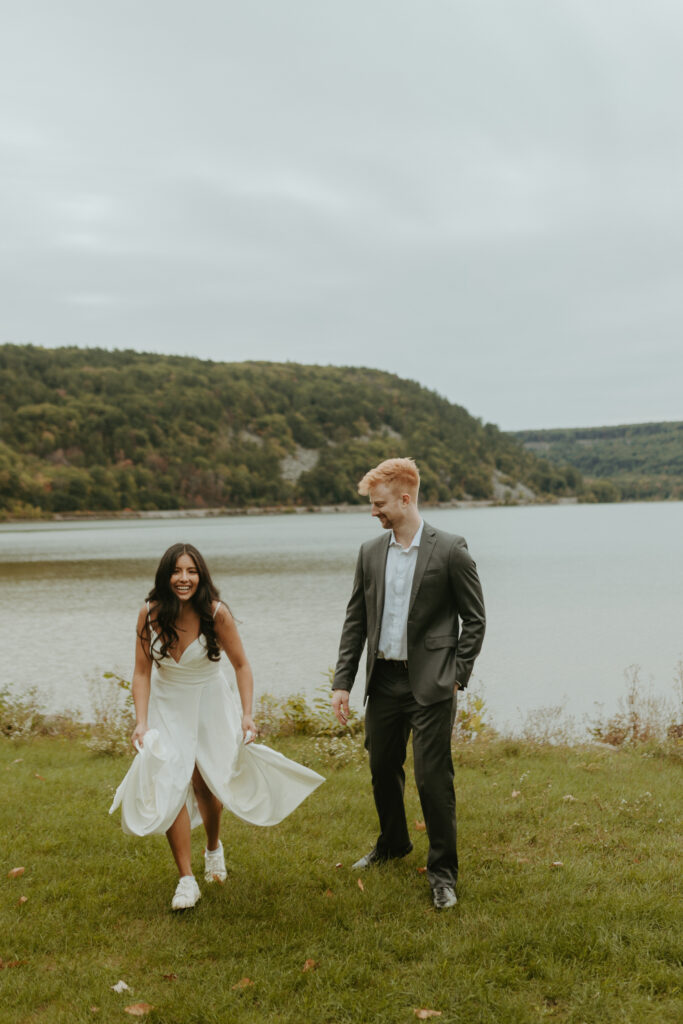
575 594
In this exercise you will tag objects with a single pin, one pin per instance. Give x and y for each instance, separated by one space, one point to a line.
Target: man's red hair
403 472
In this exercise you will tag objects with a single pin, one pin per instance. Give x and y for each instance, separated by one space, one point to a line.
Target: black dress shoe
443 896
378 858
368 860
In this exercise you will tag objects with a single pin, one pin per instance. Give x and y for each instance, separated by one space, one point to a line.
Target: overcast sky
485 196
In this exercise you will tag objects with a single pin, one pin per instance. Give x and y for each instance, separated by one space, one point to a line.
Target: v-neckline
176 661
184 651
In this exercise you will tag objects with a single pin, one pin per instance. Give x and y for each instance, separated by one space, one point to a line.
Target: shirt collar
415 542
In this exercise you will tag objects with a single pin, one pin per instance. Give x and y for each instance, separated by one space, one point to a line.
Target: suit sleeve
354 633
470 603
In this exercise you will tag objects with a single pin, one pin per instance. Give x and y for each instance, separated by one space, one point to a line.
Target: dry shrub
470 721
549 725
641 717
295 716
113 715
22 717
339 751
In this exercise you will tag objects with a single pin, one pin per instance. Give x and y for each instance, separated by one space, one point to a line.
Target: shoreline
102 515
257 510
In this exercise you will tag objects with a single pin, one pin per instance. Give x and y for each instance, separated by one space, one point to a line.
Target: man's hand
340 705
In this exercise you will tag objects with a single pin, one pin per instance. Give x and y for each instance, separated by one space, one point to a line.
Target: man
417 600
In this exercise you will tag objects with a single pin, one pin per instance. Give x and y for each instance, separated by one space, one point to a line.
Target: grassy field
570 874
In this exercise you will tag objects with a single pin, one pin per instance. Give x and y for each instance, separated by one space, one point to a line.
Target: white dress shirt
398 582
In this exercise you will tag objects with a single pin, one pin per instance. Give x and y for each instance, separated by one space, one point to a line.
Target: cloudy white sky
485 196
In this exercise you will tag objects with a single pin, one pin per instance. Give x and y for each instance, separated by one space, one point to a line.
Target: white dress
195 717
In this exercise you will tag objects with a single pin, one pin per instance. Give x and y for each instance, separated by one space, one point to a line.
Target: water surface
575 594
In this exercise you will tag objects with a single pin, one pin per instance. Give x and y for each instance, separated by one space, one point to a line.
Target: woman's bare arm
231 642
142 674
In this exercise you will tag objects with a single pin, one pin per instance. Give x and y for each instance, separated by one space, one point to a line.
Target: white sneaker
214 864
187 893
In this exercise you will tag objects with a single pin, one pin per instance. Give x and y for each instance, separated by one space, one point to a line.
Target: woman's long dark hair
165 606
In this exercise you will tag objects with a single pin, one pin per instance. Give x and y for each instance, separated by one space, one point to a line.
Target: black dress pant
391 713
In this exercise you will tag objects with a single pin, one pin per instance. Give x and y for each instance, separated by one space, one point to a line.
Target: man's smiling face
388 504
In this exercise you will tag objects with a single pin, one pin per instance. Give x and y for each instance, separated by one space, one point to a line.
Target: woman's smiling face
185 578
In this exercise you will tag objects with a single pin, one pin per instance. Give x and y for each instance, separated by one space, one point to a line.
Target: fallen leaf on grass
138 1009
339 865
360 885
120 986
422 871
170 977
420 826
11 963
516 793
328 892
243 983
17 760
426 1014
522 860
37 776
569 799
557 864
94 1009
310 965
15 872
22 899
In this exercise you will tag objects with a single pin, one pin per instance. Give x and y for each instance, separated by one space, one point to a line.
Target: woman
194 731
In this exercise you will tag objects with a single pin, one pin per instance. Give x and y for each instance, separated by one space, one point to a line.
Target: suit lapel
427 542
380 569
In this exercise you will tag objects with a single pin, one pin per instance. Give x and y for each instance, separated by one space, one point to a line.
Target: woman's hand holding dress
249 730
138 736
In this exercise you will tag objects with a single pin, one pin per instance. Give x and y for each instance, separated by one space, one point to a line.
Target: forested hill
88 429
631 462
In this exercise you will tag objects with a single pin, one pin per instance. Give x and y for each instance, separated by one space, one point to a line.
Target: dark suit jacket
445 616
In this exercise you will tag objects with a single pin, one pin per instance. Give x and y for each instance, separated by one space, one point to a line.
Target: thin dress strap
149 621
215 611
150 627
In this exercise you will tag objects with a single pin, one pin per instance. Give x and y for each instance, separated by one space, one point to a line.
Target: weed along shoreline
641 718
567 894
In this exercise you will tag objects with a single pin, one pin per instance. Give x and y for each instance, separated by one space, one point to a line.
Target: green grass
596 940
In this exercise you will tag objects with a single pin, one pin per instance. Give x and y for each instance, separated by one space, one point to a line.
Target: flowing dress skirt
195 717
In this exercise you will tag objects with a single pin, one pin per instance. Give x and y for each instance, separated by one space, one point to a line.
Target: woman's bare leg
210 809
180 842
